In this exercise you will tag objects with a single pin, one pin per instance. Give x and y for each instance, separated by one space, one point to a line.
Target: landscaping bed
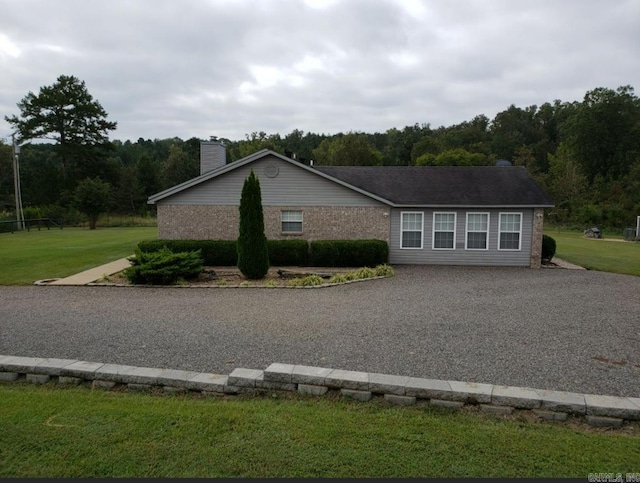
275 277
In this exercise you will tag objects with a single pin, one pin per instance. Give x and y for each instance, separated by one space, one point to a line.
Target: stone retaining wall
598 410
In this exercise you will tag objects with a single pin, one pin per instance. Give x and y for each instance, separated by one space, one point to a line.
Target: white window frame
284 214
501 231
467 230
402 230
433 230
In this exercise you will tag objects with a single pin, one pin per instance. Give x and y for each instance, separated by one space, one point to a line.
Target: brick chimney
213 155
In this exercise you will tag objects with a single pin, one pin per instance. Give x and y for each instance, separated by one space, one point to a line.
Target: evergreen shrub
214 253
163 267
291 253
224 253
348 253
548 248
253 254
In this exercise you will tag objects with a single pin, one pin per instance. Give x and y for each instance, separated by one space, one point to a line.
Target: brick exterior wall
536 238
212 222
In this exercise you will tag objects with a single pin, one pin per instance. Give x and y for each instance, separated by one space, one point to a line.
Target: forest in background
585 154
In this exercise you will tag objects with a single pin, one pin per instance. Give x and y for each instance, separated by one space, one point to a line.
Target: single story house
444 215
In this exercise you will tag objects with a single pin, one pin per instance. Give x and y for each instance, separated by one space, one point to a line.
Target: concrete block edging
317 381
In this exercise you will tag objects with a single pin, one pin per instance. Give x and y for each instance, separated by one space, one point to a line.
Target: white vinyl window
477 237
444 231
411 231
510 231
291 221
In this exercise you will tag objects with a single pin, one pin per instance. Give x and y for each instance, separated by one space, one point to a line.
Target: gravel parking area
570 330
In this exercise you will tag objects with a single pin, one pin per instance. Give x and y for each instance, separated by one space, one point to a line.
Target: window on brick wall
291 221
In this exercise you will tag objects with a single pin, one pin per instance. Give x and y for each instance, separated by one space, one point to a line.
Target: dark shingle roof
445 185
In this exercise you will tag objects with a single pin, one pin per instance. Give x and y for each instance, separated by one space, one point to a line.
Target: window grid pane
444 230
510 231
411 239
509 241
412 221
292 216
444 221
477 240
292 226
477 222
291 221
510 222
477 231
443 239
412 224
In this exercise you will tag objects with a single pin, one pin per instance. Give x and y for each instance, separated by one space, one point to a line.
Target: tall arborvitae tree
253 255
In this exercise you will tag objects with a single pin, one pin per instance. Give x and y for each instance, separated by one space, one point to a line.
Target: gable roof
412 186
445 185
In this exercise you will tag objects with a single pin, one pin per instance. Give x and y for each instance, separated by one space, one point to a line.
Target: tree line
585 154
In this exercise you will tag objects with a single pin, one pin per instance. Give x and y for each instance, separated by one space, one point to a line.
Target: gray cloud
164 68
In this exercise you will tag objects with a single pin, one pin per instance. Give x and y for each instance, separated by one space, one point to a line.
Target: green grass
604 254
51 431
28 256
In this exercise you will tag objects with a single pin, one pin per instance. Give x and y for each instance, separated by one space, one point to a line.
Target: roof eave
467 205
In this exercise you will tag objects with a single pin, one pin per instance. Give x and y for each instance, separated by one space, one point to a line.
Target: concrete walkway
89 276
567 265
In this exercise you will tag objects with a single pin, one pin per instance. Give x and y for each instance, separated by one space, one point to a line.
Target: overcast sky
196 68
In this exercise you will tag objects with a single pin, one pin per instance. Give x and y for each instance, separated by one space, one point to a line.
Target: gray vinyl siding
459 256
291 187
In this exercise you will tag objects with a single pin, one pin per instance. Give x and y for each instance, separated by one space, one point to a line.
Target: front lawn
606 254
53 432
28 256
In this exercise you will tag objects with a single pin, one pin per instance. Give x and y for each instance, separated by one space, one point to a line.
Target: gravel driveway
570 330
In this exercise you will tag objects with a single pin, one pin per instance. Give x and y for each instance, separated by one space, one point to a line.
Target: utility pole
16 183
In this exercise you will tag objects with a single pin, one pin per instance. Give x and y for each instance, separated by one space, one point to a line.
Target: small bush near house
284 253
163 267
348 253
363 273
308 281
214 253
548 248
384 270
292 253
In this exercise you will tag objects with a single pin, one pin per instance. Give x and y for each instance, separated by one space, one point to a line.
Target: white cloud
8 48
163 68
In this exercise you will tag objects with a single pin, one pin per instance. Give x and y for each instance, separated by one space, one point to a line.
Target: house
455 215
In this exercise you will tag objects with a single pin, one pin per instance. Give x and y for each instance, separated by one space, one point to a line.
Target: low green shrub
283 253
384 270
163 267
348 253
223 253
214 253
548 248
339 278
364 272
288 253
308 281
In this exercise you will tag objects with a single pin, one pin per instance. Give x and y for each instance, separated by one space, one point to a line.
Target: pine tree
253 255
